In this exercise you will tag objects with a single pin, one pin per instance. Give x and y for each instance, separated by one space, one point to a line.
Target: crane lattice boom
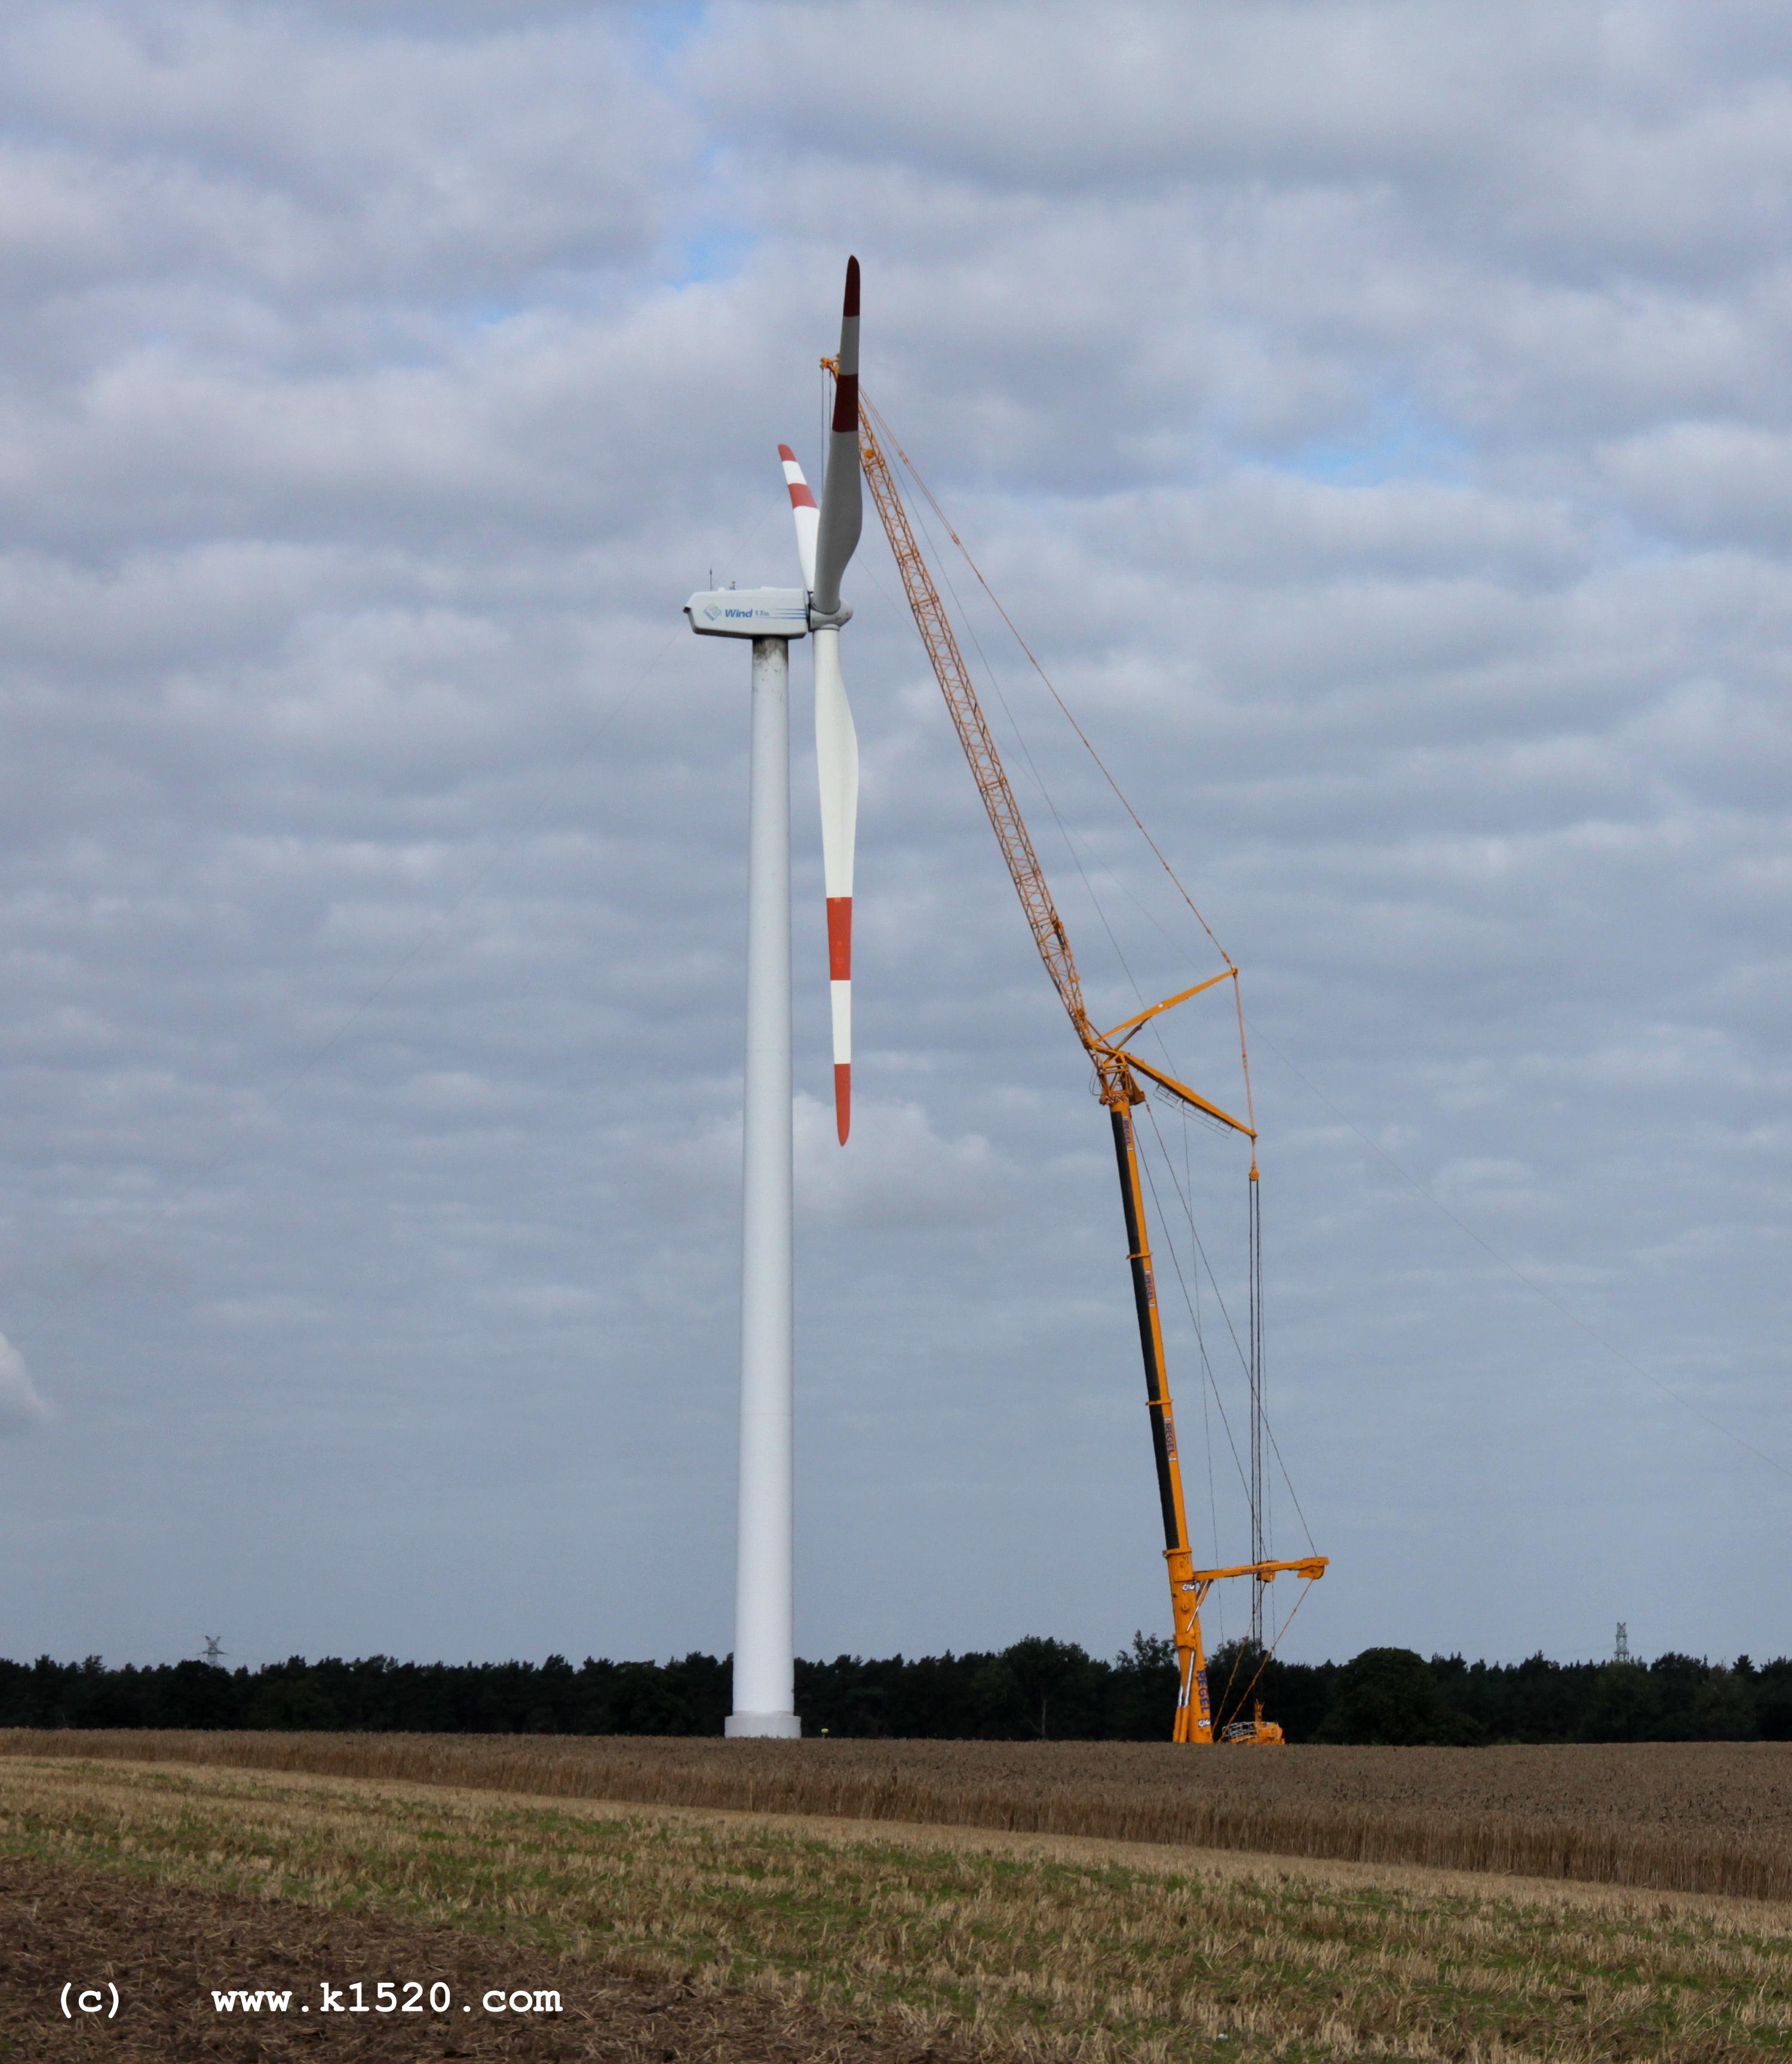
973 729
1117 1070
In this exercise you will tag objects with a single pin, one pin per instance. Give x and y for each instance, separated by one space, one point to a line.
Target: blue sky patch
1393 442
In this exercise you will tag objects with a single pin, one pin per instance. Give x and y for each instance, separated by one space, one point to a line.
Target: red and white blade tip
840 986
800 498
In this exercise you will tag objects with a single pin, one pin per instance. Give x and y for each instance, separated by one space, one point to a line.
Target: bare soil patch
167 1948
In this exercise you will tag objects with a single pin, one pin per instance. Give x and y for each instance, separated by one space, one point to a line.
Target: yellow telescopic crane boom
1117 1071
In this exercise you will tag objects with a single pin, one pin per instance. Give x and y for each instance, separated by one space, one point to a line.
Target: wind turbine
764 1672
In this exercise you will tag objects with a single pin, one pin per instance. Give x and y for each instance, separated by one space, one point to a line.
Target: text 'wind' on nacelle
749 612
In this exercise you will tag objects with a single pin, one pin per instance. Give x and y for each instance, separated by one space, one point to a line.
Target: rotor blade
841 506
802 507
837 762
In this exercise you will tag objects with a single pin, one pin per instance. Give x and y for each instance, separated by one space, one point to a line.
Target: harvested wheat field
671 1934
1675 1816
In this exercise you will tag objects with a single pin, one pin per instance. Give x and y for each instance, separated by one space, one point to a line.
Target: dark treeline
1036 1689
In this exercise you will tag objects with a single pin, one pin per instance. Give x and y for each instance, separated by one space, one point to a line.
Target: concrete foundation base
765 1726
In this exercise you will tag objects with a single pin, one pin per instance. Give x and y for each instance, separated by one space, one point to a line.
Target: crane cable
882 434
1574 1318
1176 1262
914 474
1262 1664
1238 1345
1252 1359
880 424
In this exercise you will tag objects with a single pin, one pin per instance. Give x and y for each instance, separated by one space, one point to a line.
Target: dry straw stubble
1052 1957
1680 1817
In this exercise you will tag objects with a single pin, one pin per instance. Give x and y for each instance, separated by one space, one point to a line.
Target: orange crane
1117 1069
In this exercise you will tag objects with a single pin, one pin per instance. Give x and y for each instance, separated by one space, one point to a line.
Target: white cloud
896 1168
1374 414
21 1408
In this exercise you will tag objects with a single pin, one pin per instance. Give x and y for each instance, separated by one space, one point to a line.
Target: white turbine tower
764 1686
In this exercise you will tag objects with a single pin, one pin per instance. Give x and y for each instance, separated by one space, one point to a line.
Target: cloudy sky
1374 412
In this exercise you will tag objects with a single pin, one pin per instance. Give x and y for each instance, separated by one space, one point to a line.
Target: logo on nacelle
764 612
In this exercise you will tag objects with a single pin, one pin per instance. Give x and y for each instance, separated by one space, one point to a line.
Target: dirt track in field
168 1948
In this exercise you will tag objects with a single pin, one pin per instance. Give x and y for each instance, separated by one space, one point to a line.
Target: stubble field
1713 1817
670 1934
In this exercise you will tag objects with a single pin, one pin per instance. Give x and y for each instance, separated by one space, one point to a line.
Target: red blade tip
842 1098
850 305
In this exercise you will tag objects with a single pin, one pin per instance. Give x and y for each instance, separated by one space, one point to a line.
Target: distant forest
1037 1689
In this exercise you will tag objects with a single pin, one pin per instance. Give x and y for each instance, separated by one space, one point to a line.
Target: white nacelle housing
749 612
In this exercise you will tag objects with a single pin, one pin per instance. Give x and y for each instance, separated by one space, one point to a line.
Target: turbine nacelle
769 618
750 612
827 534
